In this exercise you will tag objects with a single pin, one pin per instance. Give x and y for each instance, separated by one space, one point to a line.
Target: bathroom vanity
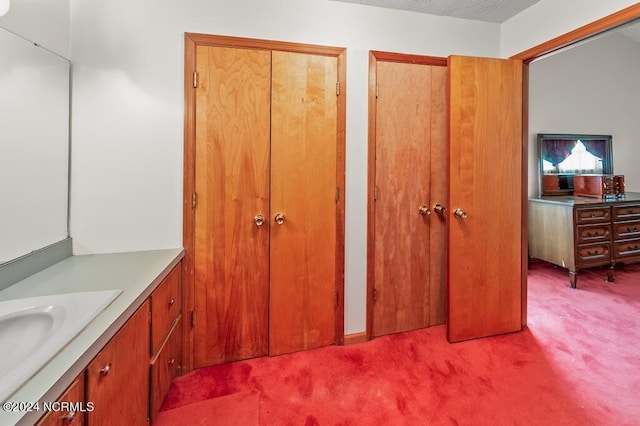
121 364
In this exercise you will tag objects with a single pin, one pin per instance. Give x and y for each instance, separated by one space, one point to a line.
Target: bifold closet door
404 109
485 197
303 192
265 221
233 102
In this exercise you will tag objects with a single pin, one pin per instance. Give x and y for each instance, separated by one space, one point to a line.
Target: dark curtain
597 147
557 150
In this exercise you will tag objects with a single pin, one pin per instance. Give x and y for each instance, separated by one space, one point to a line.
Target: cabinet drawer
165 307
626 213
626 249
165 367
593 233
626 230
593 215
72 407
593 254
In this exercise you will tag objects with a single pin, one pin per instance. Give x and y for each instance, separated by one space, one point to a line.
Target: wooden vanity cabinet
129 378
117 379
578 232
74 395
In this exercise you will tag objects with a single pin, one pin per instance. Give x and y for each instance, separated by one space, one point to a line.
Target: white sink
33 330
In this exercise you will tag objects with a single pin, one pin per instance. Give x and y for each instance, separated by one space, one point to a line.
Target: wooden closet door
404 114
303 190
485 182
232 185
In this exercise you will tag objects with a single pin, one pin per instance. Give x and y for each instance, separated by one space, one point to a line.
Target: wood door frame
374 57
192 41
584 32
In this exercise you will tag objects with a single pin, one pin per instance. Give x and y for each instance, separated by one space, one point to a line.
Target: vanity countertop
570 200
137 274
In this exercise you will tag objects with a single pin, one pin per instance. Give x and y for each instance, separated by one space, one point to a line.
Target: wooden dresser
579 232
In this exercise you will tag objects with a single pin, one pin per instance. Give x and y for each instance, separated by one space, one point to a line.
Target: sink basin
35 329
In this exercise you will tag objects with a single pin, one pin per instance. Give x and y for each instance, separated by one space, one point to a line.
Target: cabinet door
303 189
232 182
410 121
165 367
485 184
118 377
75 396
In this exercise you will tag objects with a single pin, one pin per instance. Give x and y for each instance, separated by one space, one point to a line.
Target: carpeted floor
577 363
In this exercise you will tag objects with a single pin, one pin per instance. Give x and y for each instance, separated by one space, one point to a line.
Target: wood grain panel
74 395
116 383
551 235
485 180
439 162
303 158
403 141
232 183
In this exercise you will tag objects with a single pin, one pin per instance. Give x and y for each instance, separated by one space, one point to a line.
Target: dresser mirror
563 156
34 146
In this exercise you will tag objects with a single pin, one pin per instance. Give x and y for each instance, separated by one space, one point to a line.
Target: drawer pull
69 417
171 302
105 370
171 361
593 215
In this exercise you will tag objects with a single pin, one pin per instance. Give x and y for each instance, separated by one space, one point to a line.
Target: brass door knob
460 214
259 219
424 210
279 218
440 209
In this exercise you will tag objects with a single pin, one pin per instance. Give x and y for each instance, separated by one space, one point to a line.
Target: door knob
440 209
460 214
424 210
259 219
279 218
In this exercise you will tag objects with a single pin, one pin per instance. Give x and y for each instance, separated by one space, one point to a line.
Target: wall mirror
34 146
562 156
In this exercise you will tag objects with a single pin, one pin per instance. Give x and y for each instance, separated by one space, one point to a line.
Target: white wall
45 22
592 88
548 19
128 106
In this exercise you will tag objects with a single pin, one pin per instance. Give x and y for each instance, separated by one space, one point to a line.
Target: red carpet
238 409
578 363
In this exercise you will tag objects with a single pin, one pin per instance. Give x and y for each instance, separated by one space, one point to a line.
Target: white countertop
137 274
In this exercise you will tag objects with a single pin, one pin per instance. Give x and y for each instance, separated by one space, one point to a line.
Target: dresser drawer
592 215
625 249
626 213
593 254
587 234
626 230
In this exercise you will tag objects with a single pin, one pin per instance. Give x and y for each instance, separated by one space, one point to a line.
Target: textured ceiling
477 10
